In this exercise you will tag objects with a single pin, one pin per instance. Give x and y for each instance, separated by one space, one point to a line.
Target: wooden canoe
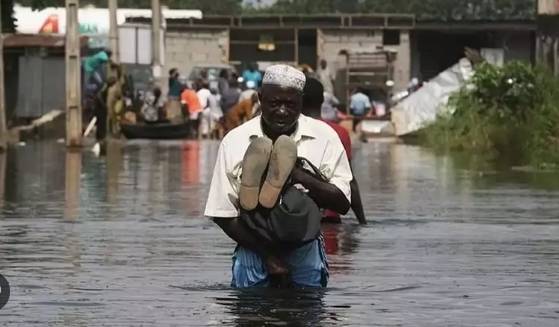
156 131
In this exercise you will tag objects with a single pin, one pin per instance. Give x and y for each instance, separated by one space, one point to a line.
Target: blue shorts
307 265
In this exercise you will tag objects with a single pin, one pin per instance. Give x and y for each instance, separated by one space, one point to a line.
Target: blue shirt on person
360 104
252 75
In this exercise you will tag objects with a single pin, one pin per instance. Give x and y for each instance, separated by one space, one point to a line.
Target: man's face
281 108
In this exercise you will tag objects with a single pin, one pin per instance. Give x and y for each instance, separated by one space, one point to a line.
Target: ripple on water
120 241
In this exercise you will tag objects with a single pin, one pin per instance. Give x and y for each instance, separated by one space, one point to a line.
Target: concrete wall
331 41
402 66
548 7
188 48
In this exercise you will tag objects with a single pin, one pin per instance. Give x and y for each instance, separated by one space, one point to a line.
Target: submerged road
121 241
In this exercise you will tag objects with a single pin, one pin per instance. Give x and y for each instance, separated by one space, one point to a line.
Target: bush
510 112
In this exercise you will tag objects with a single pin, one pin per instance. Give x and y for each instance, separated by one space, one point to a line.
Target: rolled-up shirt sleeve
222 199
335 166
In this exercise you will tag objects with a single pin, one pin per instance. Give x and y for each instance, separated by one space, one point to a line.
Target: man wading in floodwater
266 199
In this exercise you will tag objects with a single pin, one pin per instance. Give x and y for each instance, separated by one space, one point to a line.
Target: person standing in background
252 74
326 77
92 67
360 105
329 108
313 100
240 113
175 85
115 101
211 115
203 93
223 81
189 99
230 97
173 110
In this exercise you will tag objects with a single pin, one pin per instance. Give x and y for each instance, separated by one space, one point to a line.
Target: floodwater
121 241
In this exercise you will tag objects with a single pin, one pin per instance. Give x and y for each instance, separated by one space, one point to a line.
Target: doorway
307 47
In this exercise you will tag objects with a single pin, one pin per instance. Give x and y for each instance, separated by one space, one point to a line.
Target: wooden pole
113 30
3 127
73 76
156 39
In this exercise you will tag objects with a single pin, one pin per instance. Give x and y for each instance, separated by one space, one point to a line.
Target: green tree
440 10
313 6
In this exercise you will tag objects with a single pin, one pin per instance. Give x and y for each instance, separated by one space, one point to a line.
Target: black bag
294 221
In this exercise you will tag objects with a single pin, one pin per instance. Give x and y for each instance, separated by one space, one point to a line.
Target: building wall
188 48
402 66
332 41
548 7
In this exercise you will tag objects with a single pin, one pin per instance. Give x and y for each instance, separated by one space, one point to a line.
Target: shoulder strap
316 171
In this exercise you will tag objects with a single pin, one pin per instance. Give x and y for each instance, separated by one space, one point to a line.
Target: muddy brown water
121 241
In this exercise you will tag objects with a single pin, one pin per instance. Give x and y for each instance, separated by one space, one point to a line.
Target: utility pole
113 30
156 39
73 76
3 127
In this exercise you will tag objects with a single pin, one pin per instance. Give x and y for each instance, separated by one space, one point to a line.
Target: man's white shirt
316 142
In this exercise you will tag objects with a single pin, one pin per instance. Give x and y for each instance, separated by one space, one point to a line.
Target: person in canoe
153 107
272 175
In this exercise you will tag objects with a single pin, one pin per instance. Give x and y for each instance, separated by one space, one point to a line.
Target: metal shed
35 82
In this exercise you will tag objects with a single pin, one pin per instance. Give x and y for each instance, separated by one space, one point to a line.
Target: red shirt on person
343 135
329 215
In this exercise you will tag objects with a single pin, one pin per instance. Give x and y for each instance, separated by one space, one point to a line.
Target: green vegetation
509 113
424 9
445 10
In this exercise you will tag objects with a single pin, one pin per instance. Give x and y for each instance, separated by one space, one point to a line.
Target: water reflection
191 162
114 166
341 242
276 307
34 180
445 241
72 185
2 177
